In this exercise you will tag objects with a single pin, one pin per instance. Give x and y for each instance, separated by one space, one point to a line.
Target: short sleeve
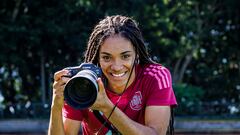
71 113
160 91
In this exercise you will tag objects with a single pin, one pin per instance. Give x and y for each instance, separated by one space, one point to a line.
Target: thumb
100 85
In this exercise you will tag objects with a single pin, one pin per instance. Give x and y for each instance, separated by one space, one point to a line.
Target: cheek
104 66
129 63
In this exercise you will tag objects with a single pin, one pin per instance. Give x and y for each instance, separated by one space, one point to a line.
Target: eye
106 58
125 56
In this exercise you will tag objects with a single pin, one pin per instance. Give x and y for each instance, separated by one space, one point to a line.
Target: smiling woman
135 94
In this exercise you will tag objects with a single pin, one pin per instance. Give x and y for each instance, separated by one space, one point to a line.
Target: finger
58 84
61 82
65 79
59 92
59 74
100 84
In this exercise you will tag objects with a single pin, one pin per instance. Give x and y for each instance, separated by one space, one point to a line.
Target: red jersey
152 86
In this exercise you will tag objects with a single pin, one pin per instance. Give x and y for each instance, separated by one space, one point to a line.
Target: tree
197 40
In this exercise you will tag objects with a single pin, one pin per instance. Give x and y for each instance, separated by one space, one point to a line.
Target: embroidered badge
136 102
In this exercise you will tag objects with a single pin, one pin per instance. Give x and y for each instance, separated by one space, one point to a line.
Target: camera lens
81 90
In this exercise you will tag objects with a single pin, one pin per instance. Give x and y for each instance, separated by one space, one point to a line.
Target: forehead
116 44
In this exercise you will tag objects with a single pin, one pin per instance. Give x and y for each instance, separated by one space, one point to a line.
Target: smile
118 75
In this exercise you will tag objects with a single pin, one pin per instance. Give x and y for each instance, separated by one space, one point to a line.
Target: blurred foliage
189 99
192 102
197 40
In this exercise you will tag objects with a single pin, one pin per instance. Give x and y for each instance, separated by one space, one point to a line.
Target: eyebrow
121 53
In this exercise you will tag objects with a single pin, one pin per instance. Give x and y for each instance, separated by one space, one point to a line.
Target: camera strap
107 124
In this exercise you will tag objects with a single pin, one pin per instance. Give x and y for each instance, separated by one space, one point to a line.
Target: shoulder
155 70
157 74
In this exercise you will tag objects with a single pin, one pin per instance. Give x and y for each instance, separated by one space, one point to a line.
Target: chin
118 85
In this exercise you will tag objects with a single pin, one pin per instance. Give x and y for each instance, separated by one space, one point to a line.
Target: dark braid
112 25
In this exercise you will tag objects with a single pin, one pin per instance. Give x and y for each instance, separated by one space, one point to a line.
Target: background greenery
198 40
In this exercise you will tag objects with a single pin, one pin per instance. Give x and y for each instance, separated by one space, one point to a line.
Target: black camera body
81 90
84 66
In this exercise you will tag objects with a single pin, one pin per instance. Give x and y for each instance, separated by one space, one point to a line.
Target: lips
118 75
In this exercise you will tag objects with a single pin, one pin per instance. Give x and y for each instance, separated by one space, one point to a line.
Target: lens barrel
81 90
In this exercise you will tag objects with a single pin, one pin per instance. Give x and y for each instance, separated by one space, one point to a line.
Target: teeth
118 75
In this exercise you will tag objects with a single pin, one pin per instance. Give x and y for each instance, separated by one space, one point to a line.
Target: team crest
136 102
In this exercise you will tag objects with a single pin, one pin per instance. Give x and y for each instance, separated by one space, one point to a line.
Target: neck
117 90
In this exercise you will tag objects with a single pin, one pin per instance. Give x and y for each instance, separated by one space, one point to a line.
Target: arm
57 124
71 127
156 119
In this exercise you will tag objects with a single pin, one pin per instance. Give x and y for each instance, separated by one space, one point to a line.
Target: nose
116 66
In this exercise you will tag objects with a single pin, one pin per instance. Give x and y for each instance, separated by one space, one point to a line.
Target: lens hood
81 90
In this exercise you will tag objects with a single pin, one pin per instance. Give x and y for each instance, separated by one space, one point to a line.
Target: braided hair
116 25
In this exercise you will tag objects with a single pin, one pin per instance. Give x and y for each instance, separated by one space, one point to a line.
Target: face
116 59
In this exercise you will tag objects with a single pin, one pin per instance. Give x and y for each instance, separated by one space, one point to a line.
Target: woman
137 96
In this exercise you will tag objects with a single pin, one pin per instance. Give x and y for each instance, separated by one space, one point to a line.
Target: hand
102 102
58 88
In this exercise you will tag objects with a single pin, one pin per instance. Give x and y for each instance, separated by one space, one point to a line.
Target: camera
81 90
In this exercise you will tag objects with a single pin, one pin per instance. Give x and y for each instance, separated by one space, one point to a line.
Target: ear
136 59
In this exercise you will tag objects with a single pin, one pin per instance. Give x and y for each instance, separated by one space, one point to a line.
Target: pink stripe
158 79
155 70
163 79
163 76
166 77
150 73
